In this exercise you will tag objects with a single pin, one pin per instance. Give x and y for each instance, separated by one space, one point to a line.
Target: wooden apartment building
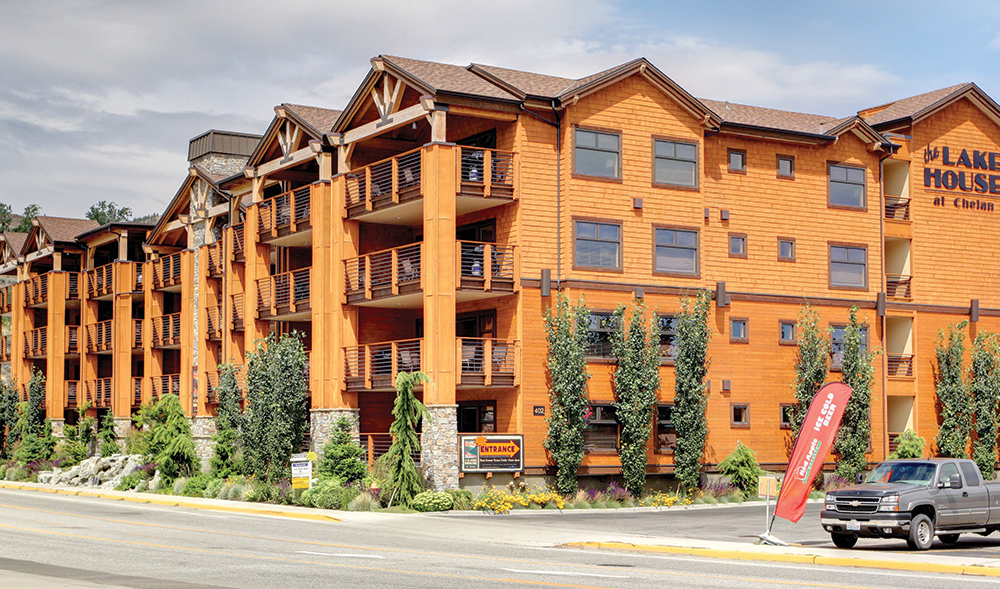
429 224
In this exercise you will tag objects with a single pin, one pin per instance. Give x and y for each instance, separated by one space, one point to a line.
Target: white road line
339 555
565 574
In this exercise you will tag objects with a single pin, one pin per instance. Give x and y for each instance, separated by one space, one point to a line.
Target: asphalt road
58 541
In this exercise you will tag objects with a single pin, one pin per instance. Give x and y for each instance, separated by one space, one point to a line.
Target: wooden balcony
99 337
484 362
375 366
167 272
385 274
285 296
286 219
36 290
167 331
166 384
72 339
136 391
897 286
136 334
238 300
385 184
6 302
36 342
897 208
899 365
486 268
237 243
375 445
486 172
5 348
99 392
100 281
213 323
215 258
72 390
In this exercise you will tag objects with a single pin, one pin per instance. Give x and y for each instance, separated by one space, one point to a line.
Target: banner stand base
771 540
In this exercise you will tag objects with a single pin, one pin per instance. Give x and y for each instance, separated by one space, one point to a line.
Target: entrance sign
302 469
811 448
491 453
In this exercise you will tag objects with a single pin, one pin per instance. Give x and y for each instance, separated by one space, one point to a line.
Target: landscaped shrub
661 499
341 455
212 488
403 478
461 499
364 502
742 468
329 494
499 501
109 442
170 443
136 442
132 480
432 501
908 445
616 492
195 486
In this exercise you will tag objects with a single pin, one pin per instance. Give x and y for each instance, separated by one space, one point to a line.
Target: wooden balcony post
458 265
517 362
515 169
458 360
273 295
487 173
394 258
488 267
368 366
371 450
394 359
366 276
368 188
517 267
488 362
291 212
395 180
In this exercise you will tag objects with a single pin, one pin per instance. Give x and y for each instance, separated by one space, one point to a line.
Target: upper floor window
787 332
668 333
737 245
786 166
597 154
666 433
737 161
676 250
838 344
675 163
786 249
602 325
598 245
848 266
600 434
738 331
847 186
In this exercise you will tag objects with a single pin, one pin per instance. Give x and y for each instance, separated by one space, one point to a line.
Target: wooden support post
487 362
395 180
368 366
487 173
394 254
488 269
368 188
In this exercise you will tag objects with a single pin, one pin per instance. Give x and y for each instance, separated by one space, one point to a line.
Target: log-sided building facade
429 224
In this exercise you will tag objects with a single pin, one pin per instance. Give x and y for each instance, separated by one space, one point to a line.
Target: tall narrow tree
984 386
810 364
857 372
404 481
952 393
690 398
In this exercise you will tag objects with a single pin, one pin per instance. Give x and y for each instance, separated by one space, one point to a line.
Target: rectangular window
737 161
597 154
838 345
786 249
787 334
600 434
786 415
676 251
602 325
786 166
848 266
598 245
666 433
668 333
740 415
737 245
847 187
738 330
675 163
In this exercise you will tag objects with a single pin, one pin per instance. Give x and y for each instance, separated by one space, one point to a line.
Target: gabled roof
523 84
442 78
313 120
819 126
182 199
126 225
55 230
15 240
913 109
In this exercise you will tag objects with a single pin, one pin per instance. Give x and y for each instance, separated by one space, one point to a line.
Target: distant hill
151 219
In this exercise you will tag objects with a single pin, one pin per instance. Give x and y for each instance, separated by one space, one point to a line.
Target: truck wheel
844 540
948 538
921 533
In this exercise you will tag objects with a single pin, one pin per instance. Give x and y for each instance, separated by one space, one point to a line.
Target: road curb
171 502
735 554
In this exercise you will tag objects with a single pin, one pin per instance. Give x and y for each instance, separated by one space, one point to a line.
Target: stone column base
439 447
57 427
202 430
321 425
122 426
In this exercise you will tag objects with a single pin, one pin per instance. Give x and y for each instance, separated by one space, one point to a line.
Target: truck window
947 469
971 473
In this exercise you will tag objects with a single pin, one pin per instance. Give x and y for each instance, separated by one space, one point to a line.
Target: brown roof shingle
320 119
528 83
15 240
443 77
769 118
65 229
908 107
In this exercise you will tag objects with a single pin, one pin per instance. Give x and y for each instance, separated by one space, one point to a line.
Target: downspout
558 125
884 318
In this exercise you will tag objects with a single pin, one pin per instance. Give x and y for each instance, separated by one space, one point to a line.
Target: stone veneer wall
321 424
202 430
122 427
439 447
221 164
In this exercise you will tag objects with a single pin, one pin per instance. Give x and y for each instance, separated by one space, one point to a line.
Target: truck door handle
965 493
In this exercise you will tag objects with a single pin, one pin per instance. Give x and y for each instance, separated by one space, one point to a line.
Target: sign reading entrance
302 469
491 453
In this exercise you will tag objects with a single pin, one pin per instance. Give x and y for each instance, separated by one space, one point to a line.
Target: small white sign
301 472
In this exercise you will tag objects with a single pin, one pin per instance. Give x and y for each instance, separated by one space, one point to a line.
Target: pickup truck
914 499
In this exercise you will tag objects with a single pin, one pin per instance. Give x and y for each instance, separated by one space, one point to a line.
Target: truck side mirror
859 478
955 481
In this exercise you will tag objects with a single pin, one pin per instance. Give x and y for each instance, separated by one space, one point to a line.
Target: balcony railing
166 384
486 266
136 333
73 285
384 183
238 311
284 214
137 282
899 364
99 392
284 294
6 302
897 286
237 244
486 172
375 366
212 387
99 338
167 330
36 290
487 362
377 444
167 271
100 281
136 391
215 266
213 323
897 207
5 344
36 342
383 273
72 389
72 339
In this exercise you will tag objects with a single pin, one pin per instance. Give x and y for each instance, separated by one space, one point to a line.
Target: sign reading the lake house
491 453
962 170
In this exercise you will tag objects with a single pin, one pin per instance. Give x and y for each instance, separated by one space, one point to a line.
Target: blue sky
99 97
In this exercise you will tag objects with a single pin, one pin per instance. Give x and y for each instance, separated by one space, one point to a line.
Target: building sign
539 410
968 171
491 453
301 471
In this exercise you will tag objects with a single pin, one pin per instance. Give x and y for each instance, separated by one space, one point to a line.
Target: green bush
212 488
742 469
195 486
909 445
131 481
329 494
171 446
341 455
461 499
364 502
432 501
260 492
233 491
136 442
109 443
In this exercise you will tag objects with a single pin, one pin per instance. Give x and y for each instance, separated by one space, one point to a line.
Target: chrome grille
857 504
